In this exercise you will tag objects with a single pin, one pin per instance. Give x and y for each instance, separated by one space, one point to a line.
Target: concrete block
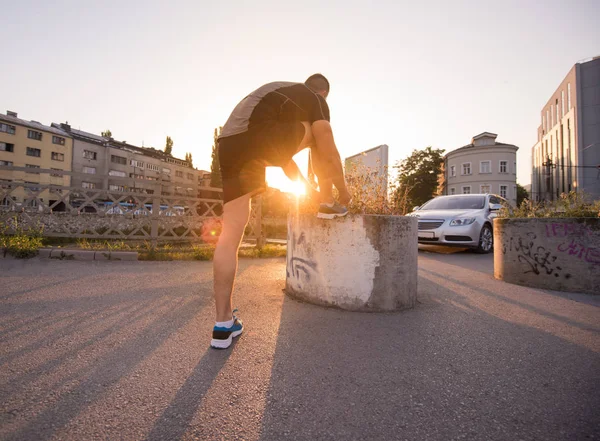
123 255
67 254
357 263
561 254
44 253
102 255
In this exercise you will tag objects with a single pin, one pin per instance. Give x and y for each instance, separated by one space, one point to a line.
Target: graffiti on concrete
575 245
299 265
567 229
535 259
580 251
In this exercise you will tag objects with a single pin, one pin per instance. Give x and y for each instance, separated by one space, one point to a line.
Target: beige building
484 166
107 164
32 145
566 156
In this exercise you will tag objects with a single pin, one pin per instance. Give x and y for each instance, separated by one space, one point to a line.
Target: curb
66 254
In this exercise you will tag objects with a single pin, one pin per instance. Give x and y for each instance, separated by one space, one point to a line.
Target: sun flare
277 179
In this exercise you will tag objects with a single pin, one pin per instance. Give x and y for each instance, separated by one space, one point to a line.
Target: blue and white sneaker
223 337
331 211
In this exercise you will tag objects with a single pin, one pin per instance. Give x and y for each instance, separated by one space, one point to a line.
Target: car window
495 200
455 203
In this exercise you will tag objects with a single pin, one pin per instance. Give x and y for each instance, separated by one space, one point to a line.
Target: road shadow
443 370
161 317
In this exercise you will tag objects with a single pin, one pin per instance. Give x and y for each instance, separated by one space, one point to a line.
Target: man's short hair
317 82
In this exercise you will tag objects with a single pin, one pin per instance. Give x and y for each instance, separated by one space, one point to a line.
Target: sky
403 73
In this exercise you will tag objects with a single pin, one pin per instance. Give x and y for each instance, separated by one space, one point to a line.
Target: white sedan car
463 220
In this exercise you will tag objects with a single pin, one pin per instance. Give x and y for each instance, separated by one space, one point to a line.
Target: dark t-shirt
279 101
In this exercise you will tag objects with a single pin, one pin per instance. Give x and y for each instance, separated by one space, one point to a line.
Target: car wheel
486 240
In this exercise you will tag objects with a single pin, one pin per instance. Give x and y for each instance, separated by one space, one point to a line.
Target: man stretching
267 128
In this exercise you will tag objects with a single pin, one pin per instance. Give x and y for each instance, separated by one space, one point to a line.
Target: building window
503 191
32 134
543 124
32 166
557 114
190 176
113 187
179 173
466 168
485 167
149 191
503 166
56 175
569 97
466 190
514 168
118 159
452 190
34 152
5 147
485 189
88 154
33 183
562 101
136 163
166 171
89 170
452 171
58 156
152 167
118 173
58 140
7 128
89 185
6 163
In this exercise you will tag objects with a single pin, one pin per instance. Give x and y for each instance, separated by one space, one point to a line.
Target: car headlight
462 222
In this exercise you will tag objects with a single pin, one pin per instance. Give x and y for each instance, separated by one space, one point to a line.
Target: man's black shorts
243 157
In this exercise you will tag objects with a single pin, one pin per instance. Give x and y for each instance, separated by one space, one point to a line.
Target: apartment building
566 156
483 166
32 145
121 167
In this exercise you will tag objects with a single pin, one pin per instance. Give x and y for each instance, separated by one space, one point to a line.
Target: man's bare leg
235 218
320 170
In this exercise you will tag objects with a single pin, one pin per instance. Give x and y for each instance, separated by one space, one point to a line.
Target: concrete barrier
561 254
357 263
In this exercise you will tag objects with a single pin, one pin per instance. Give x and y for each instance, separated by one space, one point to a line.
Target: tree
106 134
215 170
418 175
169 146
522 194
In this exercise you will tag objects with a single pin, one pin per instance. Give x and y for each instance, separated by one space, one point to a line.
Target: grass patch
23 244
206 253
571 204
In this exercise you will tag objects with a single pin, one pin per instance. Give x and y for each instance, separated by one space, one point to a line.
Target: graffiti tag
581 252
299 265
535 259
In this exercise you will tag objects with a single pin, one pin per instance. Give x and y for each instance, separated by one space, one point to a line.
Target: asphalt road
119 351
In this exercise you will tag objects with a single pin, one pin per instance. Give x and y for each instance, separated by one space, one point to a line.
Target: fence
66 211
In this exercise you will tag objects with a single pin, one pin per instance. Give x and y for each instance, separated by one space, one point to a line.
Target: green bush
24 243
571 204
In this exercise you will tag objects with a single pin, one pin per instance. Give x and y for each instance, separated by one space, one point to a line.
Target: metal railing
67 211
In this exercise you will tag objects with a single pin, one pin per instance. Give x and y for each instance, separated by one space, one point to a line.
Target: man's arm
292 171
323 135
